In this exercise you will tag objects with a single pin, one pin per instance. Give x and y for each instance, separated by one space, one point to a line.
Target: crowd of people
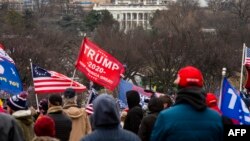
191 116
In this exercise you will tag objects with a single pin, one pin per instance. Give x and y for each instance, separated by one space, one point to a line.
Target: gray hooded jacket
107 122
9 129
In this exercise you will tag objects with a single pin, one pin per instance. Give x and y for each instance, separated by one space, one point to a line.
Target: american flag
89 106
247 56
4 55
53 82
89 109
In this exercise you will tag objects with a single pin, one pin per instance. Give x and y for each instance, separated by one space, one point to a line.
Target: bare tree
215 5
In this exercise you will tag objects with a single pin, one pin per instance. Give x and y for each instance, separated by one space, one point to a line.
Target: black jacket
135 113
63 123
155 105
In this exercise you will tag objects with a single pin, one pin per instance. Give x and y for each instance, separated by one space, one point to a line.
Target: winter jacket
107 122
135 113
188 120
62 122
80 121
155 105
9 129
25 121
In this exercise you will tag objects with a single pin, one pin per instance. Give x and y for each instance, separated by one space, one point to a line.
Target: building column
126 20
120 20
158 2
137 19
131 20
143 20
148 17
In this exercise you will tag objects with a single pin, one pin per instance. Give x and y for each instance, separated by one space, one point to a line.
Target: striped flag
247 56
89 109
247 66
52 82
89 106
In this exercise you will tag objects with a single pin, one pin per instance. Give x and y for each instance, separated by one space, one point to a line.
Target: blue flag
9 78
232 105
125 86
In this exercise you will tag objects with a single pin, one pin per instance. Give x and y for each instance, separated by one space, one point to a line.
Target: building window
145 16
140 16
134 16
129 16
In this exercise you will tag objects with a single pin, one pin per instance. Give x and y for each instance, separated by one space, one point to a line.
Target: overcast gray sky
203 3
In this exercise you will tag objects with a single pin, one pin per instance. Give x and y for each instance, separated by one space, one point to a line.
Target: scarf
193 96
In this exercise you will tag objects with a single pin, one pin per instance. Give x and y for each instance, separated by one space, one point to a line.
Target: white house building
131 14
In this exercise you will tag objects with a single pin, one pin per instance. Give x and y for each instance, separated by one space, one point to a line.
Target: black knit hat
69 93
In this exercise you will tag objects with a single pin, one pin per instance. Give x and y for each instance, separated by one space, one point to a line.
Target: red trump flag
99 66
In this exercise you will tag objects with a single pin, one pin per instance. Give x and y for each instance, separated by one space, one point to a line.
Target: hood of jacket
24 116
74 112
106 111
133 99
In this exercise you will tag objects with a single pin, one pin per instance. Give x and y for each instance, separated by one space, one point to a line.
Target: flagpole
75 68
90 95
223 76
90 91
73 77
242 63
31 68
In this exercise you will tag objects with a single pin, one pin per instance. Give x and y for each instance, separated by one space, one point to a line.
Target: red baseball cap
189 76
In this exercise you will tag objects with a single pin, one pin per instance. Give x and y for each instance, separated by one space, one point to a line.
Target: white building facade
131 14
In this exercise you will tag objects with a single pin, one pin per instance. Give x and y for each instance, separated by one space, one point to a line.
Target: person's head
133 98
155 105
106 111
17 102
189 76
69 96
43 106
212 102
55 100
44 126
166 100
